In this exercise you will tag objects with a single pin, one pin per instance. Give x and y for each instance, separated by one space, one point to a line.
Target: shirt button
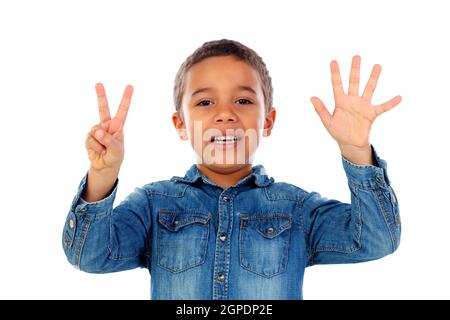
269 230
221 277
176 222
378 178
223 237
71 224
225 198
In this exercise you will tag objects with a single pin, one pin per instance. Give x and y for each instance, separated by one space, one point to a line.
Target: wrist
99 184
361 155
105 173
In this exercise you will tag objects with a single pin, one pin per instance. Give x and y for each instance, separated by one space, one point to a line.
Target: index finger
372 83
122 112
102 101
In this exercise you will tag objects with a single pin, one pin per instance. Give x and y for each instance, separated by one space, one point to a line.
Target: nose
225 115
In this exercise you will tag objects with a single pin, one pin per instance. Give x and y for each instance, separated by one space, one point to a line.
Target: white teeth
225 139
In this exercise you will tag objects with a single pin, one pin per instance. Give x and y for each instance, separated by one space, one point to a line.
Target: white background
53 52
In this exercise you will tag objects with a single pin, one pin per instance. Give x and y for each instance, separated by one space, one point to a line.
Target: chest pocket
264 243
182 239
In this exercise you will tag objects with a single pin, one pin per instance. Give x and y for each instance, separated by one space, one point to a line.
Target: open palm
353 115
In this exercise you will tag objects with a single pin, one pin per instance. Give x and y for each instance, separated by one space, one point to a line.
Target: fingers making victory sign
353 115
105 142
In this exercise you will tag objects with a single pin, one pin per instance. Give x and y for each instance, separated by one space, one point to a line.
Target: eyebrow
241 88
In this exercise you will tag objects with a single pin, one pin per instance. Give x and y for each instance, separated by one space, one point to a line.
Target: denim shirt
252 240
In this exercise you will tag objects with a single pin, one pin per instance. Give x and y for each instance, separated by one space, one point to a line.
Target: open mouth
225 139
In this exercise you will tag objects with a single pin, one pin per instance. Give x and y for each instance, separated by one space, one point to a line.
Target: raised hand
105 141
353 115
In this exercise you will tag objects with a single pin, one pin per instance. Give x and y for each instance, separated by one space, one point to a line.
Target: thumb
322 111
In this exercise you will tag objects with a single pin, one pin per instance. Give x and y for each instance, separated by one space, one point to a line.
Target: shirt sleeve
366 229
98 238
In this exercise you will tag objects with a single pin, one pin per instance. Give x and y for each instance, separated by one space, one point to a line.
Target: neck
225 177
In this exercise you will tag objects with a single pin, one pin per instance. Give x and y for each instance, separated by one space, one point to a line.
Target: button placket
83 209
221 262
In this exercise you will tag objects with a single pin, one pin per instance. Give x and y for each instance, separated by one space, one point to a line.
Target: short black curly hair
224 47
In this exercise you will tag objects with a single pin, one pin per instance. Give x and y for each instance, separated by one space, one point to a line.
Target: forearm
368 228
374 197
86 235
98 238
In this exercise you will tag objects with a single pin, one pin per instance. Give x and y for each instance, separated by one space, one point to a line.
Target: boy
226 230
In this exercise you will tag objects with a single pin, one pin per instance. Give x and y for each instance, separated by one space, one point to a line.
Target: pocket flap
174 220
269 226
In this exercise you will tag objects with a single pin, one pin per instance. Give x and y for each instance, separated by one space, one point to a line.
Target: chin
225 168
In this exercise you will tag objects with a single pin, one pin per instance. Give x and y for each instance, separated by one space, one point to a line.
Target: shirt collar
258 175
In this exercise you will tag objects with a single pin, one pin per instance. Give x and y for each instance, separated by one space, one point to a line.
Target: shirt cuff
80 205
367 175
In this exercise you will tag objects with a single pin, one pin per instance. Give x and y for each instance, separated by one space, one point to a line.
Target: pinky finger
382 108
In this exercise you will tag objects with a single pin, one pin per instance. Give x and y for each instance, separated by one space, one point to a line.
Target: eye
204 103
244 101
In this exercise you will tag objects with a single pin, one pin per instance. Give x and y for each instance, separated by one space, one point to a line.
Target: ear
179 125
269 122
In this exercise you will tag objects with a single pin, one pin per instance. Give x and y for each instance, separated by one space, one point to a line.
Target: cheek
189 122
256 122
194 127
195 130
195 122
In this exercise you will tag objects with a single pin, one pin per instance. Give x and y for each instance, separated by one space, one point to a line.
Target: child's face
223 114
